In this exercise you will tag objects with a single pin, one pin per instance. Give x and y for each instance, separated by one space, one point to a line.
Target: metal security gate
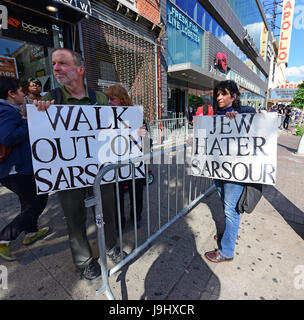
175 193
115 56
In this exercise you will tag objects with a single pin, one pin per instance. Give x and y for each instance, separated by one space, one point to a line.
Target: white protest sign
70 143
243 149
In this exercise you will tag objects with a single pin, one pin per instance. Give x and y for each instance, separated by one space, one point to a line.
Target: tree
194 101
298 100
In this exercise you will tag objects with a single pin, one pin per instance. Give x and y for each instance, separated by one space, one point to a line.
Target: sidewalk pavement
268 263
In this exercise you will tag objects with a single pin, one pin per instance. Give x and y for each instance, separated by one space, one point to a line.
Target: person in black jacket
16 171
287 118
227 102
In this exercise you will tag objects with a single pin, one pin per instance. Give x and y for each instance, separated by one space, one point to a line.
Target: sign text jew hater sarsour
71 143
242 149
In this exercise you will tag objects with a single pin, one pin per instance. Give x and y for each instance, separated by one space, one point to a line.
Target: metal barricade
168 130
176 193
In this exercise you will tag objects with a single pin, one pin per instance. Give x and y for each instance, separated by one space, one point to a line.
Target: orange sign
286 28
263 41
8 67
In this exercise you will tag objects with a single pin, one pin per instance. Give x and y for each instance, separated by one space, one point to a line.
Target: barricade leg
97 203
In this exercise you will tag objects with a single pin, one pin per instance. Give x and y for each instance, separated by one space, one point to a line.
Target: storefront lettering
289 85
245 83
3 17
217 72
78 4
27 26
183 24
33 29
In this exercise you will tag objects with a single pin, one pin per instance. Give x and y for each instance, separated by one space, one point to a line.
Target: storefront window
250 17
184 38
252 20
30 59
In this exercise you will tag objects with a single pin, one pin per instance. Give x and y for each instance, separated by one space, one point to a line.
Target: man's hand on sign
43 105
232 114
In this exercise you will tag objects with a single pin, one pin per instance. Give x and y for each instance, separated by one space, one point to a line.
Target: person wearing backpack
69 70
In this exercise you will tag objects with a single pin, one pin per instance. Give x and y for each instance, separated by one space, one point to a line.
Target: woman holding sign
118 96
16 170
226 97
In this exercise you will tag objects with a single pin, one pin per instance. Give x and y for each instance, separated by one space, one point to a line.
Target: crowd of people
16 170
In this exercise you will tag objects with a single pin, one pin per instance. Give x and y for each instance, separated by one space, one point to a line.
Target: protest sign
243 149
71 143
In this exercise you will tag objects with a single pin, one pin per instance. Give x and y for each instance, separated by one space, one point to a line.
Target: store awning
71 11
196 77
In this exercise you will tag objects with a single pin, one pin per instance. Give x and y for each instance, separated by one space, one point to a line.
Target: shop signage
289 85
70 143
282 94
80 5
182 23
221 61
263 41
8 67
3 17
286 28
29 27
241 81
243 149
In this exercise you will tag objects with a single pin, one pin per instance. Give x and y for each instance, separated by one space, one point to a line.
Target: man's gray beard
61 82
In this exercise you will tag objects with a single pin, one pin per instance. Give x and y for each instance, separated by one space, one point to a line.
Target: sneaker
92 271
40 234
5 252
115 256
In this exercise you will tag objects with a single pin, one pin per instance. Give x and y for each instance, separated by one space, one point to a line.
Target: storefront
200 53
120 47
34 28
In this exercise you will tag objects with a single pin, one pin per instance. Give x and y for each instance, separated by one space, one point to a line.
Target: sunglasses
111 98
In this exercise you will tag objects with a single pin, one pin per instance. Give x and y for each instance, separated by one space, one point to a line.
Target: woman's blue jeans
230 193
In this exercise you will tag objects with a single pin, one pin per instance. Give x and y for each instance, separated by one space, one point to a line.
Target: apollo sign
289 85
3 17
286 28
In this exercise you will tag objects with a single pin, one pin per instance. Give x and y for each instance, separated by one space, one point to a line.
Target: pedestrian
69 70
16 170
227 102
287 118
190 114
118 96
33 91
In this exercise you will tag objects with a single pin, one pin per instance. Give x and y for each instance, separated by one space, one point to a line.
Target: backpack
250 197
57 95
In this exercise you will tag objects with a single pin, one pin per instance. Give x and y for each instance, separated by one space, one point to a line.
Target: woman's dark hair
6 85
232 87
36 81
